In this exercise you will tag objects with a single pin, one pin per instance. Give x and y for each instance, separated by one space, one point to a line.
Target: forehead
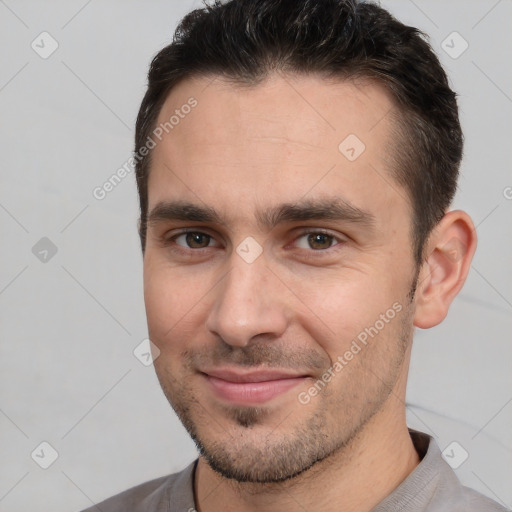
279 141
305 109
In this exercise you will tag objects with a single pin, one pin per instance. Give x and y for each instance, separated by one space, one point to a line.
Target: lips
251 387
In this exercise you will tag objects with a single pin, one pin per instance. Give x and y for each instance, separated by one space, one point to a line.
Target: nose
250 301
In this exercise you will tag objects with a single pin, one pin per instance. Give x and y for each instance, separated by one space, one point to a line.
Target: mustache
257 354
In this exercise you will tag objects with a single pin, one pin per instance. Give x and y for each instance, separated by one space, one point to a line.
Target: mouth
251 387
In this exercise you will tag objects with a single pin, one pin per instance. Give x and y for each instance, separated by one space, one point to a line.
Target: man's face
277 269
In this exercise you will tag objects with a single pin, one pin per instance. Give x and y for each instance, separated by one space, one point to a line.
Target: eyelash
336 239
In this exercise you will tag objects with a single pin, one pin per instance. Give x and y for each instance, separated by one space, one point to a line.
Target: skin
300 304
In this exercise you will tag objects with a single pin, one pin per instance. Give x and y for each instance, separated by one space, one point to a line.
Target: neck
357 477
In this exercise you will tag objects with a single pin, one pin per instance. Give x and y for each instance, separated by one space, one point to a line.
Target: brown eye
319 241
193 240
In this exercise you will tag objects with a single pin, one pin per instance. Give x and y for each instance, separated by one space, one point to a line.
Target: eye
193 240
317 241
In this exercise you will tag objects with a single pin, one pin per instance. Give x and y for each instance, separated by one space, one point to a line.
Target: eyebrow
304 210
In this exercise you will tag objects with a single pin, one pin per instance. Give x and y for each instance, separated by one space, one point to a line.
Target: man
296 160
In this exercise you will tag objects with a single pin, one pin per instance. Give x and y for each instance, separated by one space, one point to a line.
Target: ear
447 260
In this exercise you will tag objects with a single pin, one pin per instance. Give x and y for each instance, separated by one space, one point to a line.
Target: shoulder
463 499
175 490
444 491
472 500
433 486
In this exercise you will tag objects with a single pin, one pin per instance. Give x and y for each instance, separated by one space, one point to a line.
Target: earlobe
448 254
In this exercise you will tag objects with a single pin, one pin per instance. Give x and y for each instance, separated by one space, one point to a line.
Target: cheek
337 309
175 304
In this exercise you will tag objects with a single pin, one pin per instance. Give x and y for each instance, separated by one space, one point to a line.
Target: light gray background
69 325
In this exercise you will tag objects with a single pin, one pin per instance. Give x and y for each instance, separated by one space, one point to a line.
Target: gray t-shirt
431 487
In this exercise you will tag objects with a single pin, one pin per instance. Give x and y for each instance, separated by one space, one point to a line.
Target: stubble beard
248 447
